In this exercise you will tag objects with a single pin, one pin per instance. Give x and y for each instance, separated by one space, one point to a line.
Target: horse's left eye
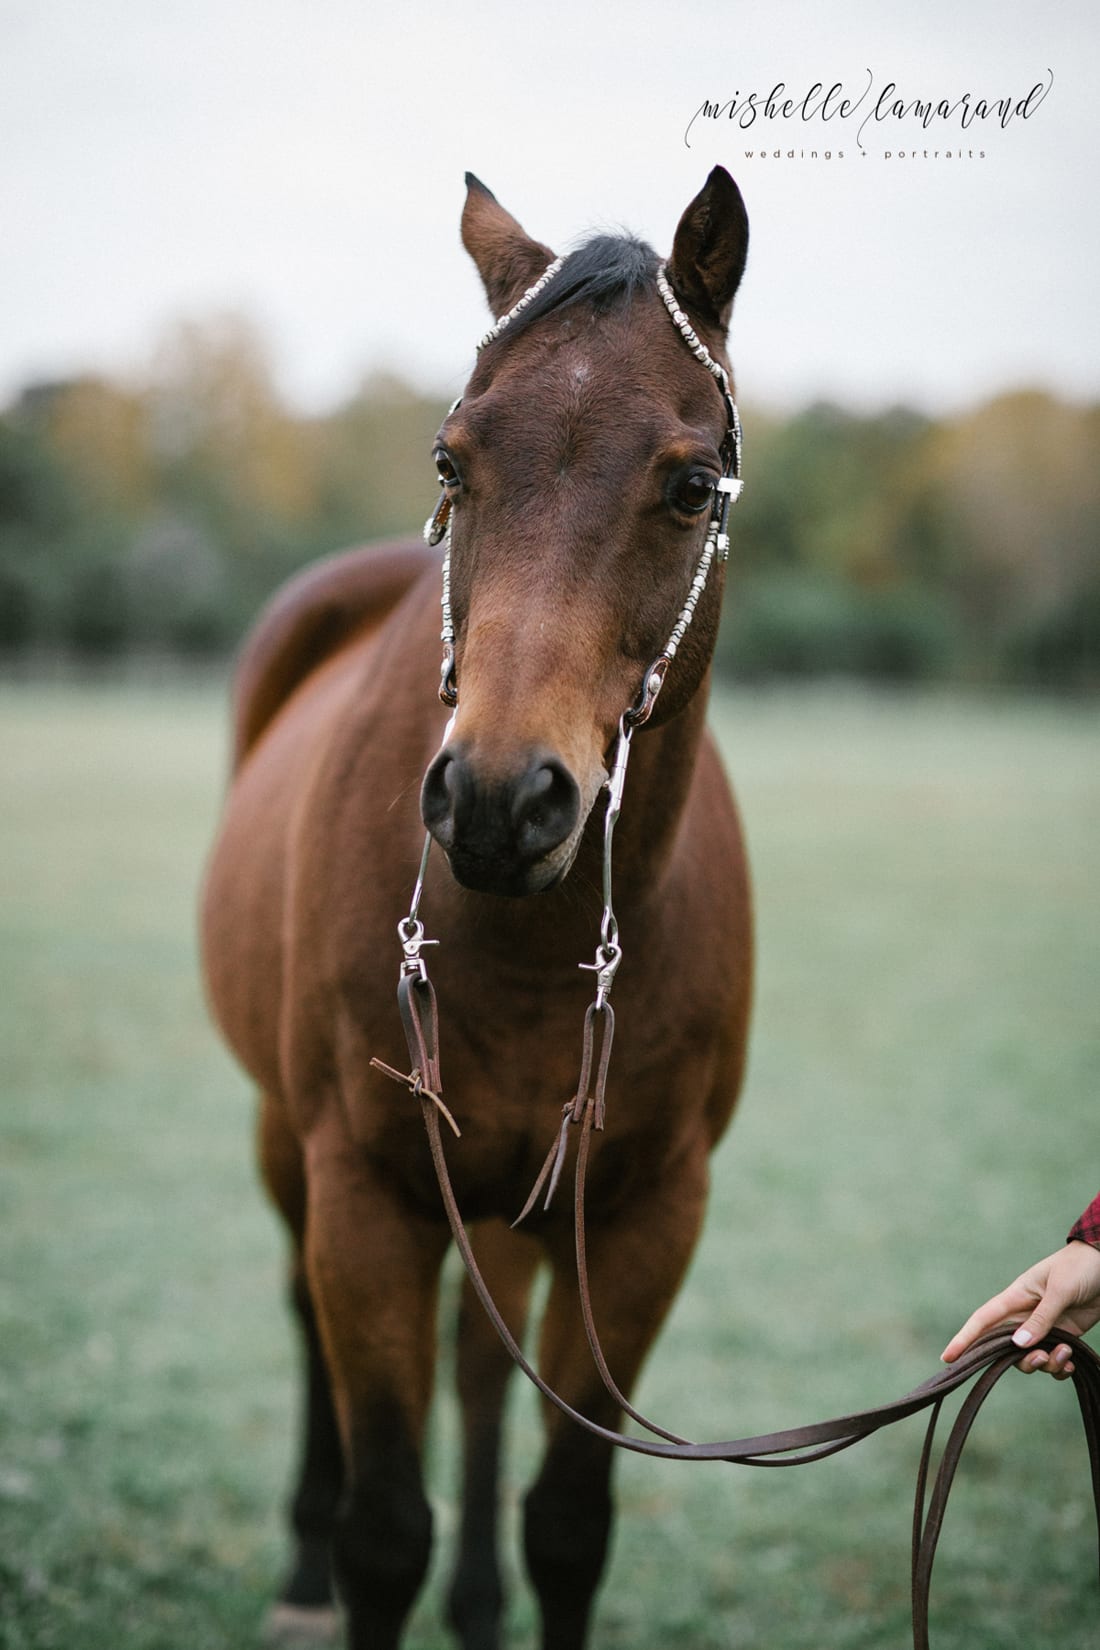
692 492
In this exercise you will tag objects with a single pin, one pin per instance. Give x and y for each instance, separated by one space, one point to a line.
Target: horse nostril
545 806
439 795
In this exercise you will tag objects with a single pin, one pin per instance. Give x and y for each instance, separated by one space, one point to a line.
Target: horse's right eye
448 475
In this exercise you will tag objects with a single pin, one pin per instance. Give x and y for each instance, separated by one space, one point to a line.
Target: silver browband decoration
532 292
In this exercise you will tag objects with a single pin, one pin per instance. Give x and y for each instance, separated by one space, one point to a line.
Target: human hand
1063 1290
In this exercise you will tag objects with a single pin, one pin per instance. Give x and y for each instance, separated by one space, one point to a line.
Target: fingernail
1023 1337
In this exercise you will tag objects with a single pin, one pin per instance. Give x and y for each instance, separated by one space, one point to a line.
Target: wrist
1087 1229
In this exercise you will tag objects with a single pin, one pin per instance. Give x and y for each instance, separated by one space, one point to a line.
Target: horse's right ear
507 259
709 252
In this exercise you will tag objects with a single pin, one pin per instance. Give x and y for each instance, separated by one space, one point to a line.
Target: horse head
580 473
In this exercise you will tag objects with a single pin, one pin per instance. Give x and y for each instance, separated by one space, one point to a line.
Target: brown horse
581 471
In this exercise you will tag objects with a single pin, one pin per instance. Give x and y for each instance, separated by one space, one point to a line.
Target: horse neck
659 780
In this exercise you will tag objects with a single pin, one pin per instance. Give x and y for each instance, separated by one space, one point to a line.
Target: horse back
308 620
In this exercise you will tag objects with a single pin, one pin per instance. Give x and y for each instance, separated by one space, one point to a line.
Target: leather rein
984 1363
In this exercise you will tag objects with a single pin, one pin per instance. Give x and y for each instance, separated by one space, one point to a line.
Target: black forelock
605 271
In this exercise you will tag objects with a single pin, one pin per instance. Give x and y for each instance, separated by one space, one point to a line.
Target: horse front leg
305 1609
508 1261
306 1598
373 1268
636 1263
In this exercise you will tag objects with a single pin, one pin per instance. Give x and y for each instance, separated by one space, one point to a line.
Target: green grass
919 1123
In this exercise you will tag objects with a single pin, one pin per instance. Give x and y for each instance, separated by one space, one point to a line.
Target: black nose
497 832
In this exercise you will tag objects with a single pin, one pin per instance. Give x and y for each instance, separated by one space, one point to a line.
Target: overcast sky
302 161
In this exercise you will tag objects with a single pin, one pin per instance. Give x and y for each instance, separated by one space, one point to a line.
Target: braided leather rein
984 1363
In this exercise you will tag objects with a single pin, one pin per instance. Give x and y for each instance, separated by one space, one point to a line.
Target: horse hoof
290 1625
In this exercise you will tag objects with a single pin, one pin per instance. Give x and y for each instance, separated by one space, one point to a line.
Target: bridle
988 1360
715 548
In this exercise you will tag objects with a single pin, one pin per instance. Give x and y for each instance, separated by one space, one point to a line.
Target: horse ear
507 259
708 254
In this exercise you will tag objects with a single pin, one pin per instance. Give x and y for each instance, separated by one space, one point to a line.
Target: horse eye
448 475
692 492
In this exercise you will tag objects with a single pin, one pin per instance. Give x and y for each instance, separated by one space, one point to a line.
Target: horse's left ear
708 254
507 259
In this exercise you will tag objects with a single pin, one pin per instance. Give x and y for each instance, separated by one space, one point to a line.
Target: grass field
920 1122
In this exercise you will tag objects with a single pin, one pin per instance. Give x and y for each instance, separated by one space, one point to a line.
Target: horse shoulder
308 620
301 678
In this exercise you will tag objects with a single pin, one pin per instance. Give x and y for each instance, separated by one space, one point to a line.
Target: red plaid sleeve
1087 1229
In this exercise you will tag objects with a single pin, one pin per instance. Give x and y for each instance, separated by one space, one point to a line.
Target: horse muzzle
512 834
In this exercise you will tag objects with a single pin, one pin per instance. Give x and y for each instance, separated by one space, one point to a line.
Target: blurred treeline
159 514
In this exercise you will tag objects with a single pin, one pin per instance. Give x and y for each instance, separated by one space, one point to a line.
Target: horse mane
605 271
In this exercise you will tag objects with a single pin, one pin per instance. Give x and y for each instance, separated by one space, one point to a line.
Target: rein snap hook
605 967
410 931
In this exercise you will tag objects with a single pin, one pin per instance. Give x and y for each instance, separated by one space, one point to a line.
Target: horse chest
506 1088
